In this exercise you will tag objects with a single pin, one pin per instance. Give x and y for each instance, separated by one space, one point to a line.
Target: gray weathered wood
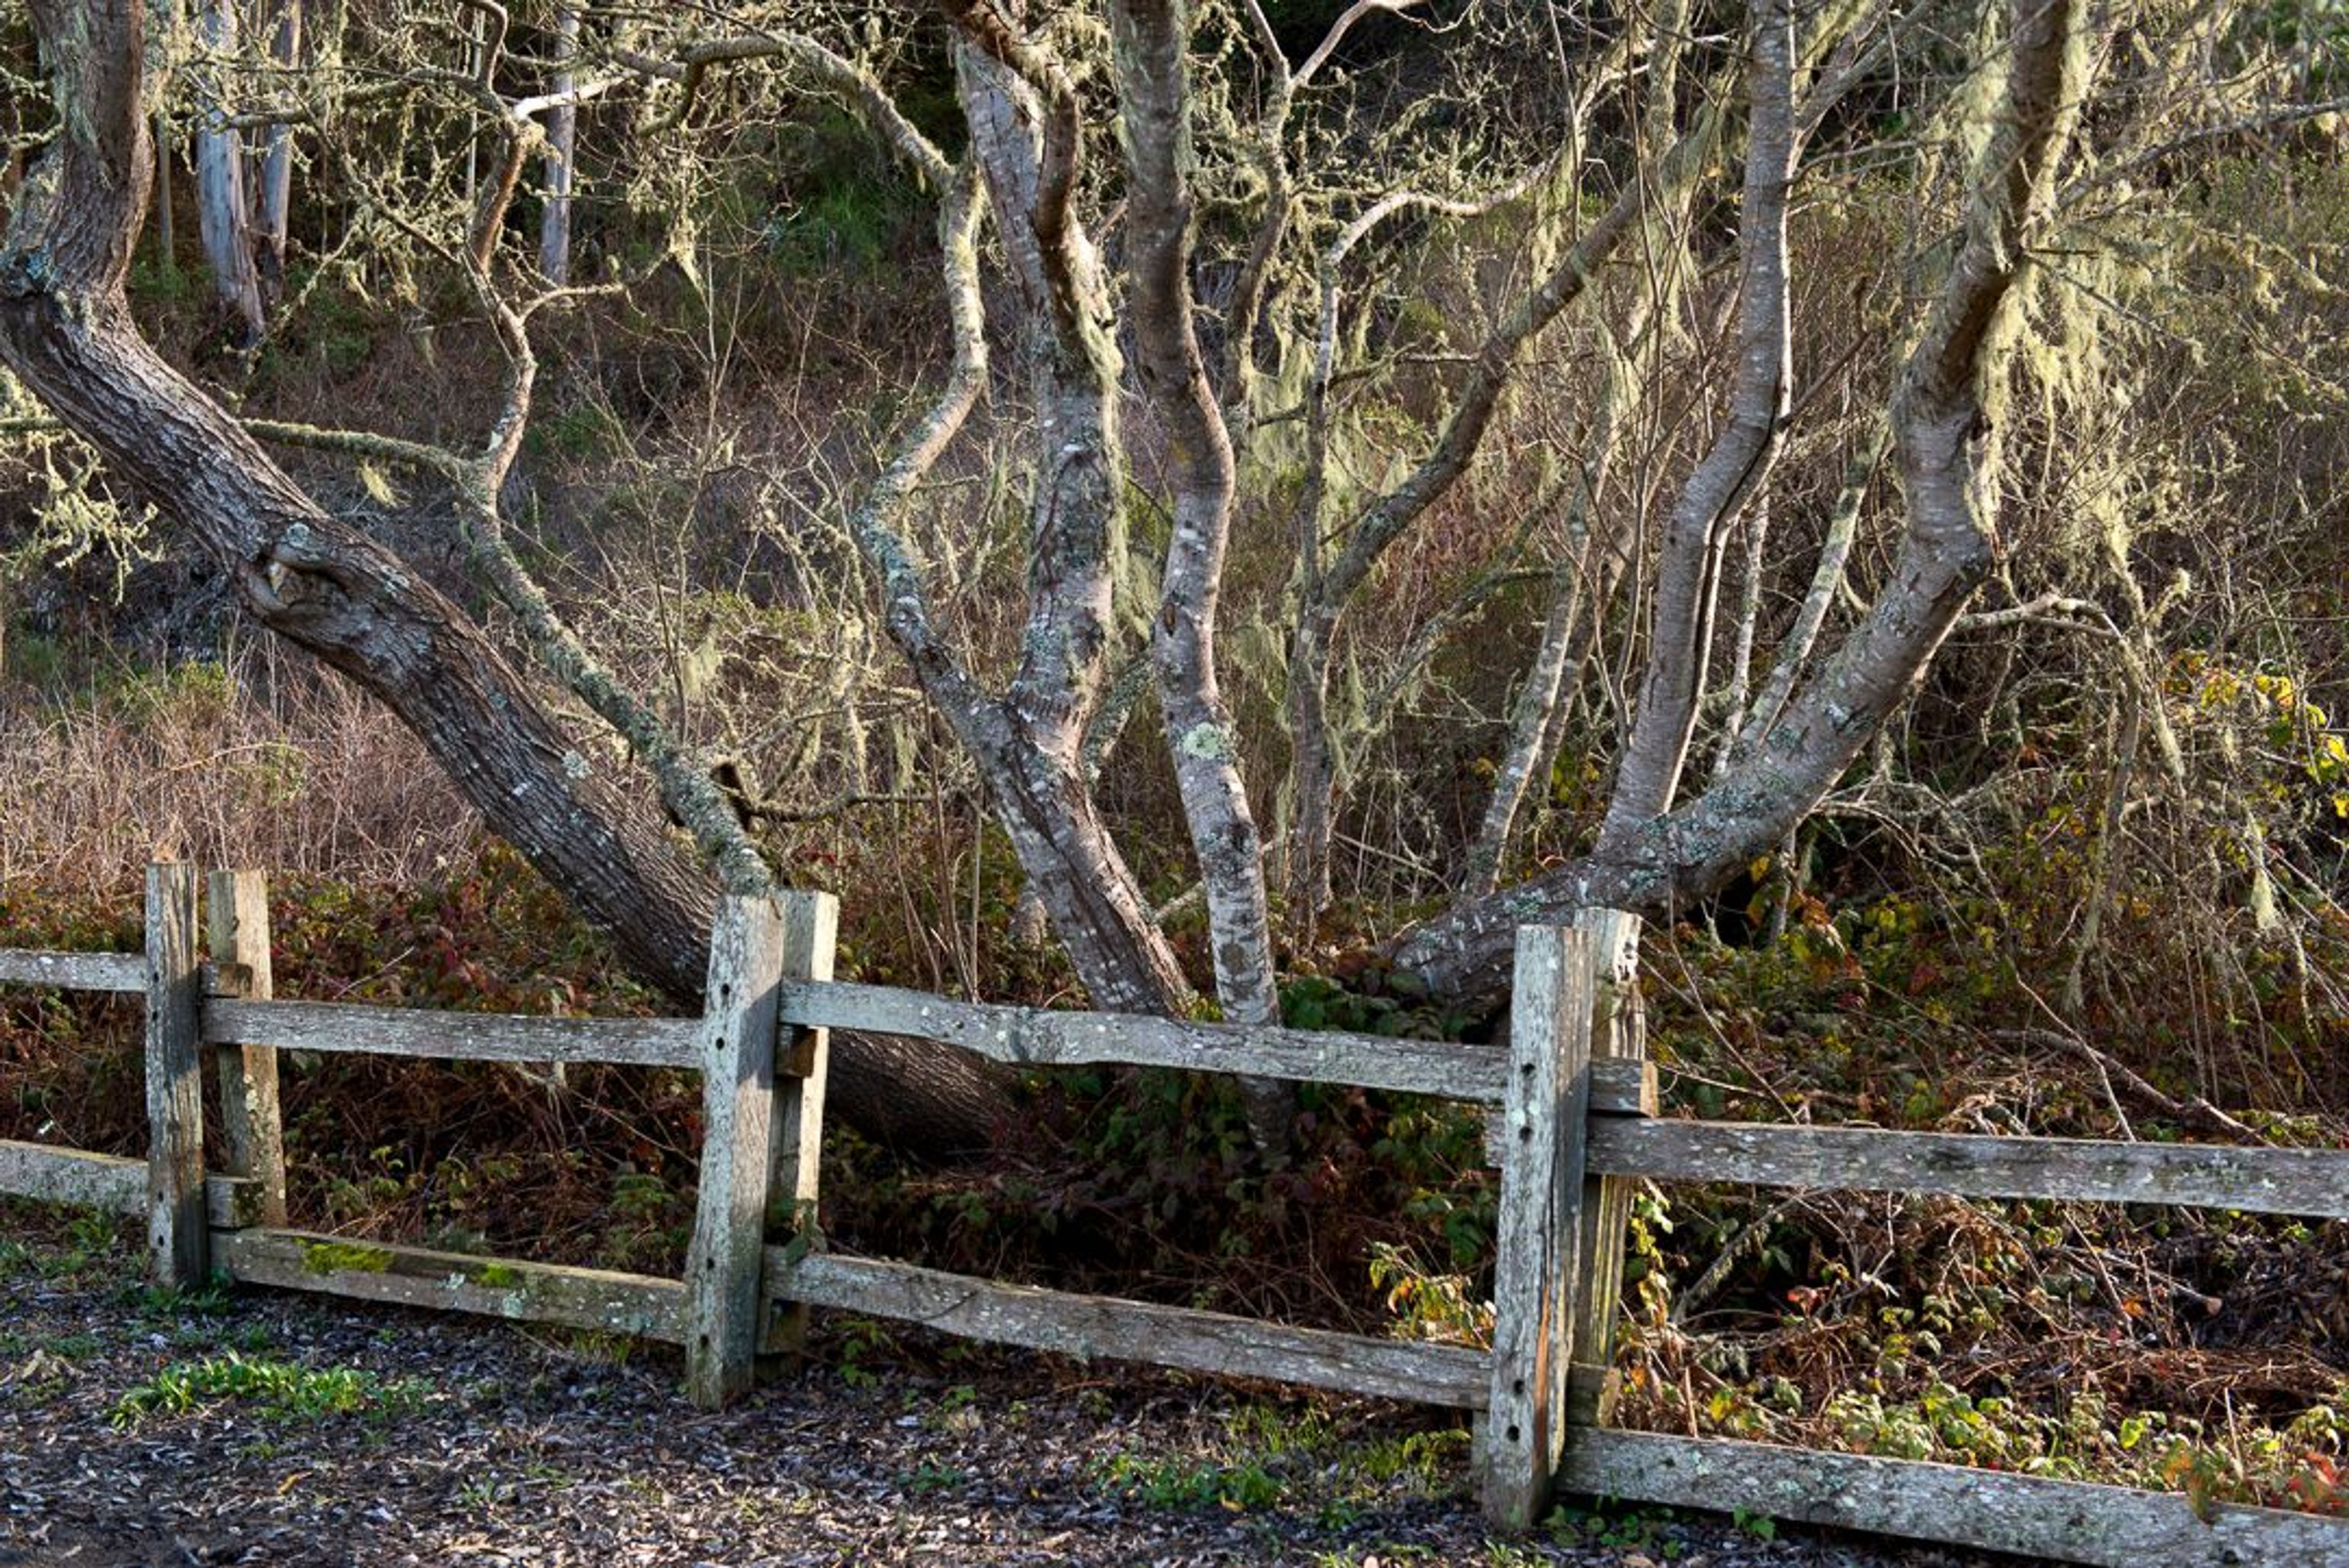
1040 1036
1539 1236
1622 1085
737 1066
2039 1519
176 1223
455 1282
73 1176
2310 1181
811 930
1619 1036
236 1202
236 919
465 1037
1088 1326
1618 1088
110 1183
123 972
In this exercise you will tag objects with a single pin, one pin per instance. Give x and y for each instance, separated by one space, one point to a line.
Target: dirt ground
268 1429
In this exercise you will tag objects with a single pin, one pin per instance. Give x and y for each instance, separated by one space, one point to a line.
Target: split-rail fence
1573 1129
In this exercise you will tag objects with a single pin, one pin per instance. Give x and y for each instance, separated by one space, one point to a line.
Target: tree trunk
222 211
1029 744
1688 578
65 331
562 143
1151 39
276 204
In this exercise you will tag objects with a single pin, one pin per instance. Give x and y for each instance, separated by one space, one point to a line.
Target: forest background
1229 509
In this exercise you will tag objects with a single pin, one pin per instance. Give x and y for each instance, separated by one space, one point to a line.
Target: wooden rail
2035 1517
452 1037
1040 1036
122 972
595 1299
1573 1125
2306 1182
111 1183
1087 1326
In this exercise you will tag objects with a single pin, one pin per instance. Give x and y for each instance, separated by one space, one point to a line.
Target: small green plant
210 1299
931 1475
1189 1481
92 1251
1615 1528
861 1340
281 1390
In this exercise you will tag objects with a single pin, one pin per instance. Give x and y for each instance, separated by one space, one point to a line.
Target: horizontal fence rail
2034 1517
1088 1326
110 1184
445 1035
122 972
598 1299
1040 1037
2302 1181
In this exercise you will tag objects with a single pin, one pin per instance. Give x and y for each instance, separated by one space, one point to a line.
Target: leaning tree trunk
67 333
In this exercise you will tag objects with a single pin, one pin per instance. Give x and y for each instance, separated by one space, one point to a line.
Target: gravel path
478 1443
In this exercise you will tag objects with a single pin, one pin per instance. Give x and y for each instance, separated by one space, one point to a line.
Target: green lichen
1207 741
344 1257
499 1276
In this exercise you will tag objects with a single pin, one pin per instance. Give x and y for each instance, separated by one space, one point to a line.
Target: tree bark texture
1028 744
1150 41
272 228
1687 574
223 212
561 146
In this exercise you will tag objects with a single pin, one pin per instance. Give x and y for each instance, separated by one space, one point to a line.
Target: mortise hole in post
1513 1433
1525 1134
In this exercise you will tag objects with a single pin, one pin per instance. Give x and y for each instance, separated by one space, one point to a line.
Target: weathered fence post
737 1066
811 929
1539 1232
176 1237
1619 1031
236 916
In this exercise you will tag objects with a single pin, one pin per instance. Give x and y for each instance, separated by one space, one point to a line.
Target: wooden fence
1573 1128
